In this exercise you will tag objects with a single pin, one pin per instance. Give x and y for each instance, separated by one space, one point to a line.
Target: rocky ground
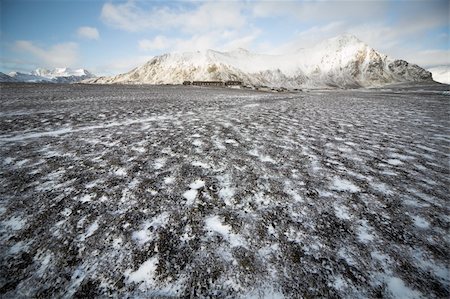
143 191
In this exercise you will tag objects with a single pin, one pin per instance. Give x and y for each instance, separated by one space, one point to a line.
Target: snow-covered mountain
5 78
343 61
57 75
441 73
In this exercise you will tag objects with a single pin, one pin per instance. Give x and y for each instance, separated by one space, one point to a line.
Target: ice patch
339 184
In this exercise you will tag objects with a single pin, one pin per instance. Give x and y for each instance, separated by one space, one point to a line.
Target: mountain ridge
343 62
41 75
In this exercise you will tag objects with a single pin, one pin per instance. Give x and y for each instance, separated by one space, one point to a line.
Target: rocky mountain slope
57 75
343 61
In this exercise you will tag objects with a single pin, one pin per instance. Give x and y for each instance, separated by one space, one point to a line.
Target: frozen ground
195 192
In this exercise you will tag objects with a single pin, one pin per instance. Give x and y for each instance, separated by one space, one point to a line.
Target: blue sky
109 37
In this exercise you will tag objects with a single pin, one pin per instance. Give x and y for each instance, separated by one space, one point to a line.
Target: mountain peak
241 50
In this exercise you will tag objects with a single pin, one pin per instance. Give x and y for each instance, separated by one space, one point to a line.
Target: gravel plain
191 192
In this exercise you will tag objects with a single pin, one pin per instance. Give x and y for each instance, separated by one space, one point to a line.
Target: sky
111 37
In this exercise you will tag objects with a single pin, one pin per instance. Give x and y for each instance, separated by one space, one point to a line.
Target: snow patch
420 222
214 224
398 289
394 162
169 180
145 273
340 184
341 212
197 184
14 223
190 196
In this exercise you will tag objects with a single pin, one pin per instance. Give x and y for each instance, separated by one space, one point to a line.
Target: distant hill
57 75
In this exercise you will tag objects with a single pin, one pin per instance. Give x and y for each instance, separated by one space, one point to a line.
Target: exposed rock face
412 71
341 62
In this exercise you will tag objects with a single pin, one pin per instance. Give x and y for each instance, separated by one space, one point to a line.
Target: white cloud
217 40
428 58
318 11
88 32
59 55
200 18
